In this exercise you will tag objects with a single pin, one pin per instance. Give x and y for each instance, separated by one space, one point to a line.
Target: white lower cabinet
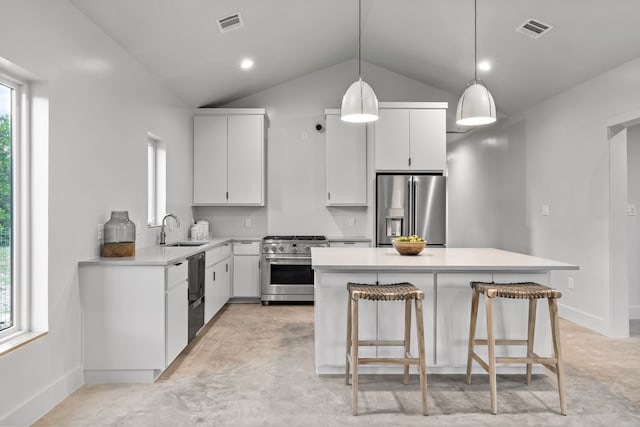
177 319
135 320
217 280
246 276
217 288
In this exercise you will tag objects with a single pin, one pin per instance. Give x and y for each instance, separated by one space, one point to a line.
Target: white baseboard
587 320
43 401
634 312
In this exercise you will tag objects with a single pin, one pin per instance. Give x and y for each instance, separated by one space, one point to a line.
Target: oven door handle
287 260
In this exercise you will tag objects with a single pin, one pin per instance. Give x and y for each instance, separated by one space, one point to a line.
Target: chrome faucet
163 234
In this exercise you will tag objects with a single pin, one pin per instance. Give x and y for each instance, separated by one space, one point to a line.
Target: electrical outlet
546 210
247 223
351 222
100 231
570 283
305 136
631 210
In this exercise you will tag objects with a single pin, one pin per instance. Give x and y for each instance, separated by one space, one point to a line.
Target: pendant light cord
475 40
359 38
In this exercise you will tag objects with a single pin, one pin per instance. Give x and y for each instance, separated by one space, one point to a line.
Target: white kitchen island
443 274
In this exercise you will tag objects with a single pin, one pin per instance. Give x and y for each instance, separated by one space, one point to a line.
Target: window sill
18 340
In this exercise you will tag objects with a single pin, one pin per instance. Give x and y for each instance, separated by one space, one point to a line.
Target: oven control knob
265 248
307 249
294 250
273 248
281 249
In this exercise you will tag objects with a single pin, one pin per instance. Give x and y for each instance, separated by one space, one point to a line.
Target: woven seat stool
532 292
394 292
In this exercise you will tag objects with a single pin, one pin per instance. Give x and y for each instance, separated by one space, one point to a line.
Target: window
156 180
9 314
24 207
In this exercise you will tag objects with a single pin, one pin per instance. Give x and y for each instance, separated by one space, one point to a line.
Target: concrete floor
253 366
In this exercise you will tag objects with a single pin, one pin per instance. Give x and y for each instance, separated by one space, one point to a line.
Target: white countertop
431 259
165 255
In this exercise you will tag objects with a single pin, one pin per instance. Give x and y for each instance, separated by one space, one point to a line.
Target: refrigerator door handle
414 210
409 213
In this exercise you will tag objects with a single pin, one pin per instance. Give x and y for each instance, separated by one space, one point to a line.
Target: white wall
101 106
296 185
566 165
633 189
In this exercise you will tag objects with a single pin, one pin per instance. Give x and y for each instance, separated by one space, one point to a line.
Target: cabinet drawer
225 250
358 244
213 255
246 248
176 273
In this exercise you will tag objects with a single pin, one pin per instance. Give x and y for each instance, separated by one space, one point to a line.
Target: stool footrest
381 343
388 361
539 360
502 342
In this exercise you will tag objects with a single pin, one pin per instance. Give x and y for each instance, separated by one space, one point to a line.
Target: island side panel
123 318
391 318
330 311
510 321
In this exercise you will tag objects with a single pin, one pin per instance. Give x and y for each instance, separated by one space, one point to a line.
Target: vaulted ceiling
431 41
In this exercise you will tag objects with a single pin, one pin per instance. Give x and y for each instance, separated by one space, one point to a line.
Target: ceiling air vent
534 28
230 22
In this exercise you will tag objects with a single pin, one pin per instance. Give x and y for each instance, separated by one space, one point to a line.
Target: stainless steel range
287 273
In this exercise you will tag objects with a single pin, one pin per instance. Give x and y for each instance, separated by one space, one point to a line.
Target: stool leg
354 353
492 356
533 304
557 352
348 350
472 332
421 356
407 336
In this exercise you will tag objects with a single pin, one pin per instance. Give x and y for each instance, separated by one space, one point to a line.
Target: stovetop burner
295 238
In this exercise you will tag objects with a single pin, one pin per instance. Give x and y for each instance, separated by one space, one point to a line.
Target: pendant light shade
476 105
359 103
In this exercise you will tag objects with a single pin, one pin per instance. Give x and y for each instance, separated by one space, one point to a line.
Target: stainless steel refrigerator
411 204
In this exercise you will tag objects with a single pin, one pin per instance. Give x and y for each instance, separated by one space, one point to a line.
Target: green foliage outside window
5 179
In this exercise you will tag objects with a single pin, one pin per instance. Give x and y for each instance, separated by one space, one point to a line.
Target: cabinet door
246 159
177 320
209 159
209 293
427 139
392 140
246 277
346 162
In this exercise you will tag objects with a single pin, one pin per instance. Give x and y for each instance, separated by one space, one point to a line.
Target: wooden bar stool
532 292
394 292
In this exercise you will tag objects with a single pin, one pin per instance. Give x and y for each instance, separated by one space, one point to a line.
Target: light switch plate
546 210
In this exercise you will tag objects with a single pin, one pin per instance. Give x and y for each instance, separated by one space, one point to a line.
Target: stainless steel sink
186 244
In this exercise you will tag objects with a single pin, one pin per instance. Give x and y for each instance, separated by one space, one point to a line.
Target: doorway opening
623 136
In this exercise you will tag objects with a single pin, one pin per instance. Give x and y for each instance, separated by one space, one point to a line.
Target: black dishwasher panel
196 294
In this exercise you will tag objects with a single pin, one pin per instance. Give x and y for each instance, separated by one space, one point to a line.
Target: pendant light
476 105
359 103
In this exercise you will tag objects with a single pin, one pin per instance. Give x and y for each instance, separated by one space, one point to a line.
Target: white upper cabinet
346 161
228 157
411 137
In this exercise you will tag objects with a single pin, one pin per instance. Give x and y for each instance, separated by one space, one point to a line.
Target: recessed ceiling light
246 64
484 66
